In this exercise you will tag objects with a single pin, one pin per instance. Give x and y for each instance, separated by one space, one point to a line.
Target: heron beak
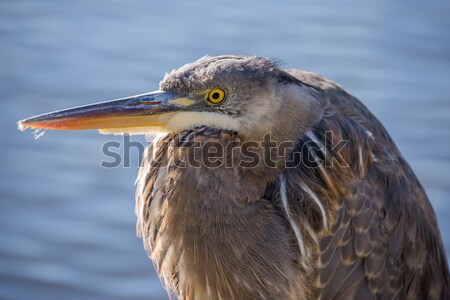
130 114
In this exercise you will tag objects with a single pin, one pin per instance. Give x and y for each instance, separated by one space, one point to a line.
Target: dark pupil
216 96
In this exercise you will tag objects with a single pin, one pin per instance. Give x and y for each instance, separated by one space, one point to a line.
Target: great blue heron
335 214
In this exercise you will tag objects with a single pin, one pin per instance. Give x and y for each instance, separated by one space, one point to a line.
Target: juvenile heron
312 201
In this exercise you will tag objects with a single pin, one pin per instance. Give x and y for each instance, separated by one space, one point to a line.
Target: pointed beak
151 110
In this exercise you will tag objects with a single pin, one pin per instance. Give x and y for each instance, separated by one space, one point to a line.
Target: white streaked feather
374 158
208 288
261 295
294 225
361 165
310 232
314 138
317 201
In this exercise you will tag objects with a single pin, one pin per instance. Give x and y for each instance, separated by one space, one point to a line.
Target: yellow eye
216 96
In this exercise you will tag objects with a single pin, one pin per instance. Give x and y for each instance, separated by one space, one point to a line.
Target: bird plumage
271 184
350 222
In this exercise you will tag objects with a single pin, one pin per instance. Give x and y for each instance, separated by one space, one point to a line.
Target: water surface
67 225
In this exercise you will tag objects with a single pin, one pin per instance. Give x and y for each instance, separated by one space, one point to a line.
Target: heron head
245 94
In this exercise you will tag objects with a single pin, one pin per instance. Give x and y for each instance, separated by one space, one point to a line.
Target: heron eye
216 96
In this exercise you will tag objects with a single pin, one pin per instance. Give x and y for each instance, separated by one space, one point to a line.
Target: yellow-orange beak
141 111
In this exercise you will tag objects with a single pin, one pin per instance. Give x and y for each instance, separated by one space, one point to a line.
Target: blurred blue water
67 224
